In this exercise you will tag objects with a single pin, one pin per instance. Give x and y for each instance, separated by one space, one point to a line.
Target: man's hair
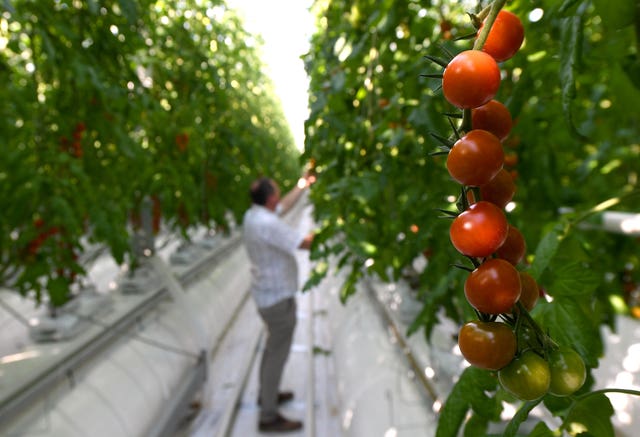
260 190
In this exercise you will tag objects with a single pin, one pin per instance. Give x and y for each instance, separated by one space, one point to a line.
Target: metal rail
426 385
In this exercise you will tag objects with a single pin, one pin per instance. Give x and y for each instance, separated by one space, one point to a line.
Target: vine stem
496 7
540 334
626 391
597 392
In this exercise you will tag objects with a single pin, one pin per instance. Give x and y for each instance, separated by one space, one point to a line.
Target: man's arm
288 200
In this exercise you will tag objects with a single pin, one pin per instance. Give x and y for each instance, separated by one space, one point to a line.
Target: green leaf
432 300
541 430
572 36
129 9
318 273
547 249
349 286
617 17
625 84
469 393
570 324
521 415
573 279
568 4
58 289
581 417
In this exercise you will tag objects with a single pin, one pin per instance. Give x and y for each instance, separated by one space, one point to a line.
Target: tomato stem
545 341
483 13
465 126
593 393
496 7
607 390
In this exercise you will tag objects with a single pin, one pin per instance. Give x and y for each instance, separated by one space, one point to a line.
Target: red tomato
505 37
475 158
494 287
514 247
487 345
494 117
530 292
471 79
499 190
480 230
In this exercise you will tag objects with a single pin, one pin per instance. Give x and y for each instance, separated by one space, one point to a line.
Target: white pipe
621 222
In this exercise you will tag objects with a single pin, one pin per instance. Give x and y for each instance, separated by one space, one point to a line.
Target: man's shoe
283 396
280 424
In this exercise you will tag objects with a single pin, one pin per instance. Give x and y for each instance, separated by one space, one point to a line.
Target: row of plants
107 103
438 130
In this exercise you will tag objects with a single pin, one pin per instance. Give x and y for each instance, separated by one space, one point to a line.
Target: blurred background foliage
105 103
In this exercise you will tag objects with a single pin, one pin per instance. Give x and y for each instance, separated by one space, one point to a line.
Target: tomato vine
373 137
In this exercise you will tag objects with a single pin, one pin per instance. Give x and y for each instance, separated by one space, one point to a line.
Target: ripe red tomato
471 79
475 158
499 190
487 345
527 377
480 230
530 292
505 37
494 287
568 371
514 247
494 117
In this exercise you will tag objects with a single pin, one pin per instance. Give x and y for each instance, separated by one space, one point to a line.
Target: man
271 245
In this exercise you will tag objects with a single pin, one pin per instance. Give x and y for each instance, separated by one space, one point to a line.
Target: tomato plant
494 117
480 230
505 37
568 371
475 158
471 79
493 287
527 377
570 88
487 345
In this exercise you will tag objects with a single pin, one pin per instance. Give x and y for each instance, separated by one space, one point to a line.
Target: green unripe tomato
568 371
527 377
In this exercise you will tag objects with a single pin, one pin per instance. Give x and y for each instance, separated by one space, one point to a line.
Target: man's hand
306 180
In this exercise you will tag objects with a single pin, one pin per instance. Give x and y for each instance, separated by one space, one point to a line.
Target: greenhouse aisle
229 399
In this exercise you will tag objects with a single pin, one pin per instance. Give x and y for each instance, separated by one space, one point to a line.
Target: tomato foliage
105 104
